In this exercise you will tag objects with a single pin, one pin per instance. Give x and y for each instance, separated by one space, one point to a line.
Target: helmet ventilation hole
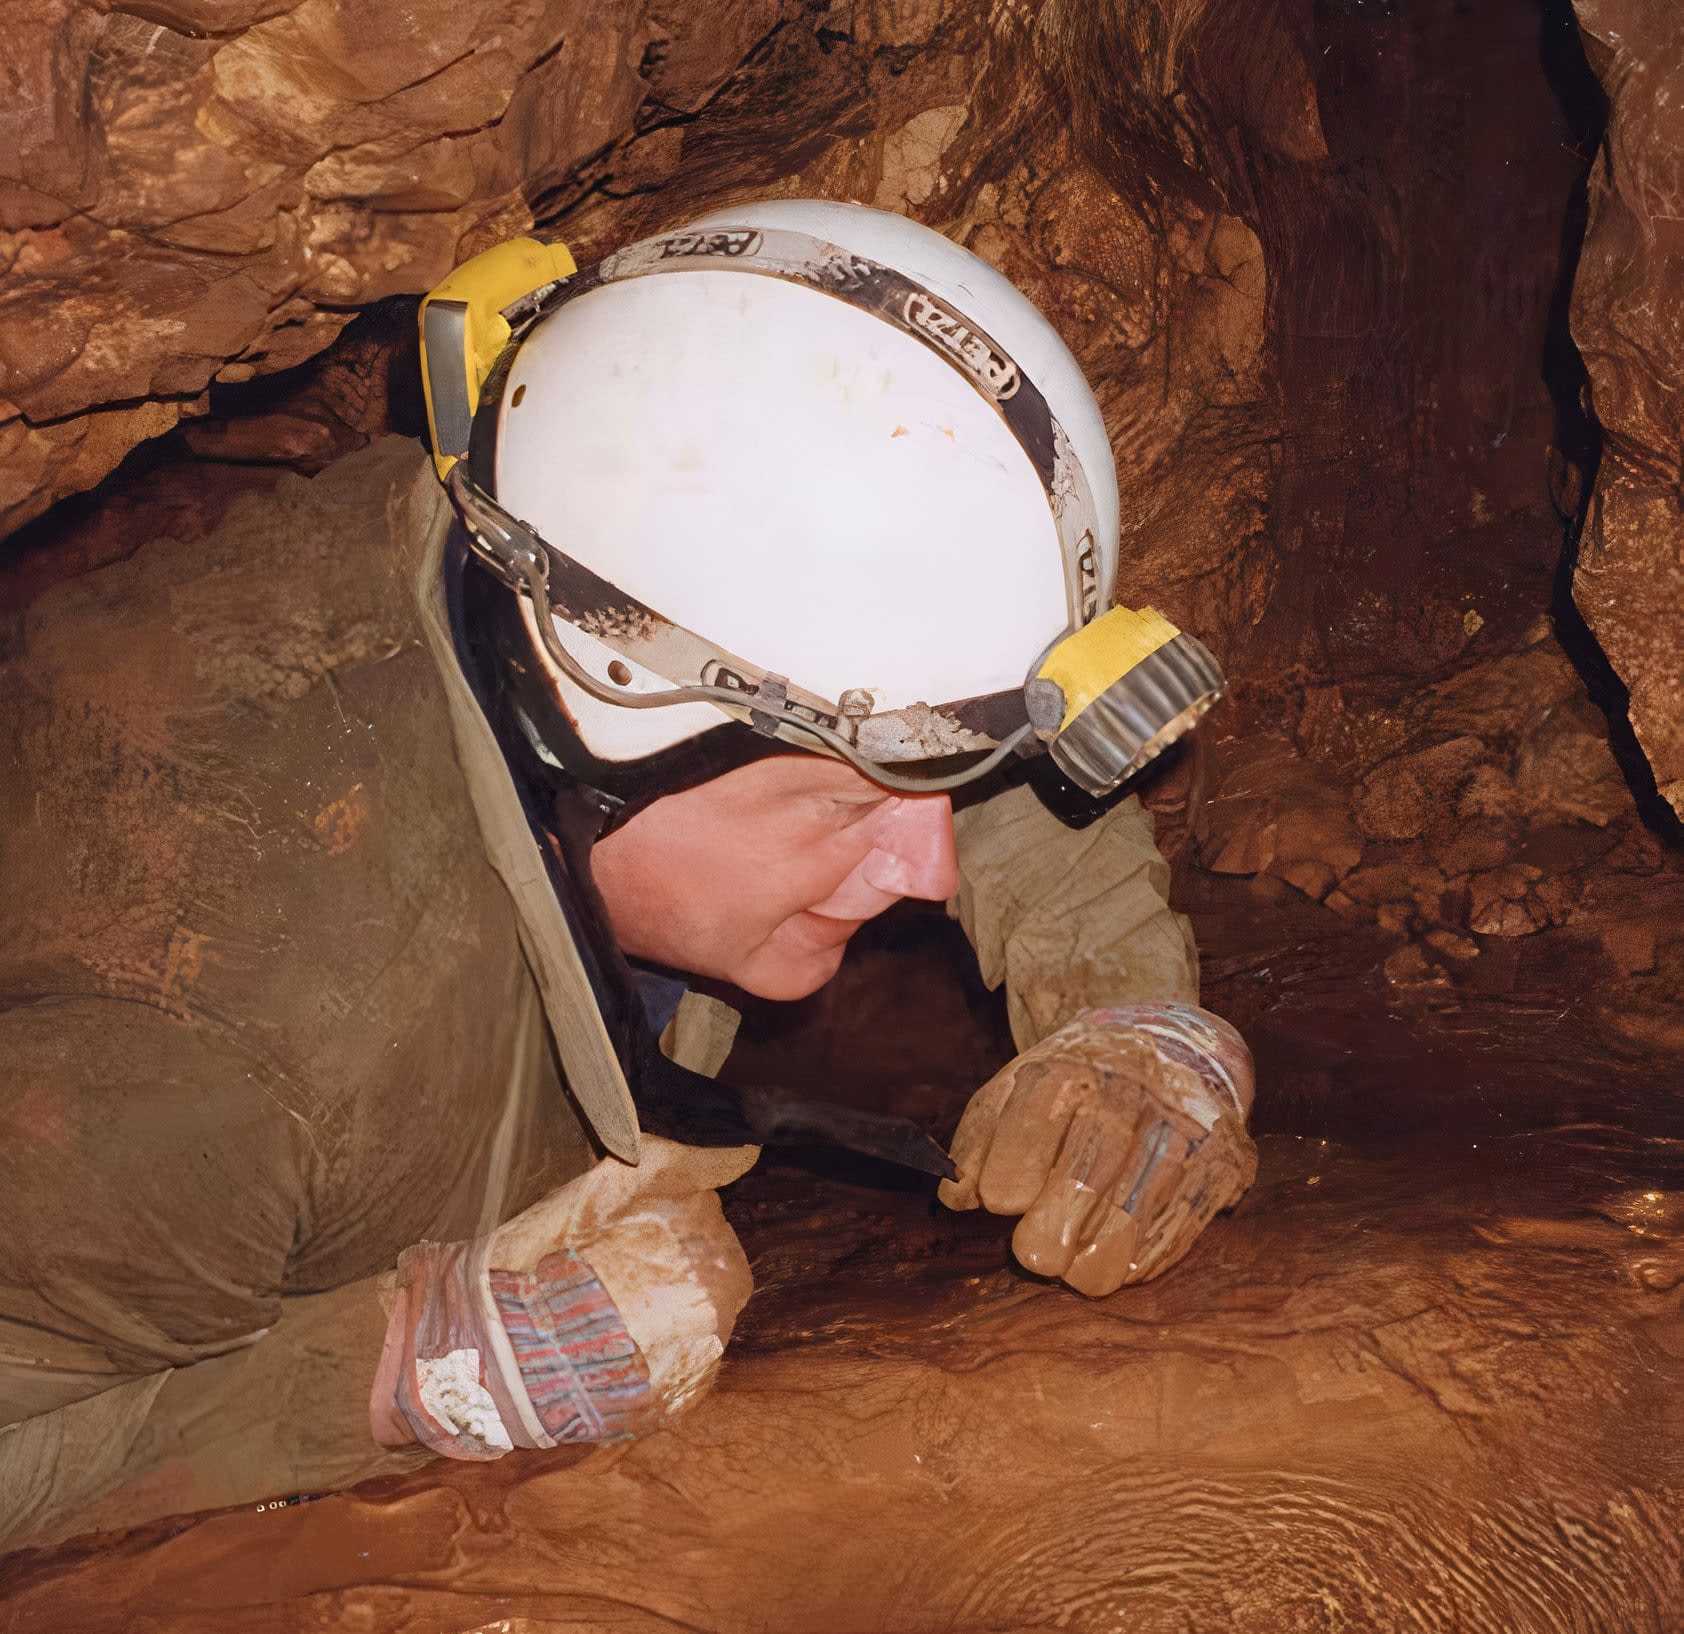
520 392
620 674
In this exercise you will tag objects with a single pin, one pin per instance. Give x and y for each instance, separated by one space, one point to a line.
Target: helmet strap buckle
771 703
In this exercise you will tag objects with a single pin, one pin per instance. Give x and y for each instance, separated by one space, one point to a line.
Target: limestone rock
202 186
1274 812
1628 321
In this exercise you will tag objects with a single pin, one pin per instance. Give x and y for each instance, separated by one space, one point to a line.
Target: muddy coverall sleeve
265 1014
1068 918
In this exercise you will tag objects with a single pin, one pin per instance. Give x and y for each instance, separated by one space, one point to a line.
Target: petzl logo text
928 316
726 241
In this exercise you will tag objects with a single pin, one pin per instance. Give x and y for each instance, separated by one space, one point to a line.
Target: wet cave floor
1434 1382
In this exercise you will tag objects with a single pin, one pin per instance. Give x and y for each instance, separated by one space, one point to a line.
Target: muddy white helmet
815 468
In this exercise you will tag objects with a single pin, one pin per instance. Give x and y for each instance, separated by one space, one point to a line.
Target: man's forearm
285 1416
1069 918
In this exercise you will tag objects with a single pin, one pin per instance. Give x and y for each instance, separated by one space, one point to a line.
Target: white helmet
815 467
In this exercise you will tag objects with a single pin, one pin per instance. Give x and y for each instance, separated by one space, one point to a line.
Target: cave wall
197 191
1628 321
1412 846
1313 257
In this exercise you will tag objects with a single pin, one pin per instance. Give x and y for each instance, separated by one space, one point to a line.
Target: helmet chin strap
1105 701
536 586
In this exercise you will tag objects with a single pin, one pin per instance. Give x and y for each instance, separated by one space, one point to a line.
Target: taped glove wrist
1185 1034
489 1360
602 1309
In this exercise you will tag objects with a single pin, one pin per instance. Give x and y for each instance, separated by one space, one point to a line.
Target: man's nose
914 854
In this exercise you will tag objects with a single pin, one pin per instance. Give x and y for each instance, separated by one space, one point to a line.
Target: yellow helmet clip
466 323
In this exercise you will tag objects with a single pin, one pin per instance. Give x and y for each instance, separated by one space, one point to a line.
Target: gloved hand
1117 1138
601 1310
656 1238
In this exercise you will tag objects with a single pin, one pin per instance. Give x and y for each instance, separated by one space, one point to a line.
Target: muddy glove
1117 1138
597 1313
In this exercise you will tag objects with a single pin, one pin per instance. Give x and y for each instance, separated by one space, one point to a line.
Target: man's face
761 876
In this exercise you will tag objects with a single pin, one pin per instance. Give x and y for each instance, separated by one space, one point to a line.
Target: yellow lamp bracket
1111 696
465 324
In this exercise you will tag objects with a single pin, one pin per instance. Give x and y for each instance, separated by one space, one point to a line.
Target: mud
1424 1389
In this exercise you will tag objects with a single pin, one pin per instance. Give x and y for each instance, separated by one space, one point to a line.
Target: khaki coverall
268 1007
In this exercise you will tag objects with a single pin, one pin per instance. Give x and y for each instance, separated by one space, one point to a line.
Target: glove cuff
1190 1037
478 1362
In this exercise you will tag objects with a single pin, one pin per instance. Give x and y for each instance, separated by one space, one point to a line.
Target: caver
758 547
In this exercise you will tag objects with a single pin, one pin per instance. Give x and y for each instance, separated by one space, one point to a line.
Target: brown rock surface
1435 1389
203 192
1628 320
